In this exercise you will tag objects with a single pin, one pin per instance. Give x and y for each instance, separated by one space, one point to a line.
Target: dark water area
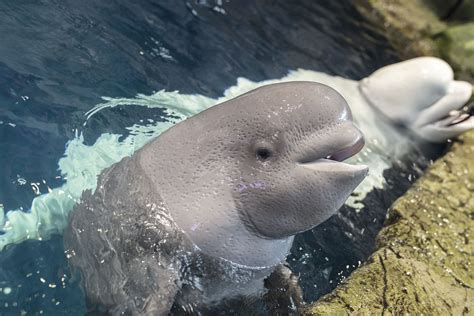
58 58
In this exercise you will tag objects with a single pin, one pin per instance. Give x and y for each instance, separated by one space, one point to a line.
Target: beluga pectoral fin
421 94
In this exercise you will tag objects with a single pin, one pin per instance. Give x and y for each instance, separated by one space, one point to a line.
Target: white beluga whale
420 94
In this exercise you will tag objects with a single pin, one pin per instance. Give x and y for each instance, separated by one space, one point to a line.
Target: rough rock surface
426 27
409 25
456 44
424 258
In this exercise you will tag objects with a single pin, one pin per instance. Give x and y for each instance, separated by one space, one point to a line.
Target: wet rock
424 258
456 44
462 11
409 25
444 8
426 27
452 10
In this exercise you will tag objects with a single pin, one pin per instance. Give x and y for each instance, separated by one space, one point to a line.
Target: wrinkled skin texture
214 202
237 206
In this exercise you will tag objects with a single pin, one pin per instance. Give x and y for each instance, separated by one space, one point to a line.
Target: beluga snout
311 132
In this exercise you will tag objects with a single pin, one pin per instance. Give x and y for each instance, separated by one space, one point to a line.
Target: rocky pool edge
424 256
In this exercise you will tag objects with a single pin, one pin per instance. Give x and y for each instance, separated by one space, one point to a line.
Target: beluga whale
422 95
208 210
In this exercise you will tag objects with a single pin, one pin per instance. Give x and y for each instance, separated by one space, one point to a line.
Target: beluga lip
333 166
348 151
333 163
457 116
449 116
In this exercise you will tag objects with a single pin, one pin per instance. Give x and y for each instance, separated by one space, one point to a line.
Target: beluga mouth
457 116
449 116
333 162
349 151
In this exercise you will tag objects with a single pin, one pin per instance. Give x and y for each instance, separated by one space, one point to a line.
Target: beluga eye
264 150
263 153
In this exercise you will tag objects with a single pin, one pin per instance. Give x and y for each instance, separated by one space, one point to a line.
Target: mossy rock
464 13
442 8
456 44
409 25
452 10
414 28
424 258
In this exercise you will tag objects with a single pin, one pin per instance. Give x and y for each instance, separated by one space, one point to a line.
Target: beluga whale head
241 178
421 94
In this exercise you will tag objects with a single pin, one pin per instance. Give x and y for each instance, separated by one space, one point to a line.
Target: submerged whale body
219 196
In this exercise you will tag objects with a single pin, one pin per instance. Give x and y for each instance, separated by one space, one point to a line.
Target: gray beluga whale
221 192
258 159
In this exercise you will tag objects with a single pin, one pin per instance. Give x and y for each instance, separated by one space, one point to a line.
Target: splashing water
82 164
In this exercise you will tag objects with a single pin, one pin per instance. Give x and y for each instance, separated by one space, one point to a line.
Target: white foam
82 164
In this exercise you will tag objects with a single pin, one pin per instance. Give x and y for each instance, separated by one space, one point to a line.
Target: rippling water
59 58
